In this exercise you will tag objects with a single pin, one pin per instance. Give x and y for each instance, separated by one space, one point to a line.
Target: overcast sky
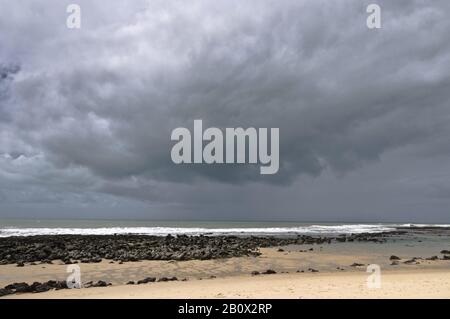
364 115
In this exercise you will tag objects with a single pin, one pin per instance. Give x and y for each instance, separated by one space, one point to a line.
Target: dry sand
394 284
428 279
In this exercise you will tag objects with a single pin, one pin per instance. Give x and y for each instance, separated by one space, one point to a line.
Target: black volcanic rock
356 265
393 257
5 292
269 272
163 279
19 287
146 280
129 248
36 287
99 283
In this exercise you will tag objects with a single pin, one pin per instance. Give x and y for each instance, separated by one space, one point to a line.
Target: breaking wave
163 231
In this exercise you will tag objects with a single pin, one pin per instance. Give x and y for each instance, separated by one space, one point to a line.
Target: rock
255 273
61 284
164 279
394 263
41 288
393 257
356 265
280 250
447 252
4 292
99 283
124 248
130 282
269 272
36 287
19 287
20 264
445 257
432 258
312 270
146 280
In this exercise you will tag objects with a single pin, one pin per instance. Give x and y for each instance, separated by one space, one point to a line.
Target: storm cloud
86 114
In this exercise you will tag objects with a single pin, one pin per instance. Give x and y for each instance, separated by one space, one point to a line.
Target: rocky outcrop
128 248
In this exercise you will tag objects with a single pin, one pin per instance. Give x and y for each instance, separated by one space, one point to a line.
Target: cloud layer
86 115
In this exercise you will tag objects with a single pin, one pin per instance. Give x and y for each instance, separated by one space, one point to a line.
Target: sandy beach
395 284
302 271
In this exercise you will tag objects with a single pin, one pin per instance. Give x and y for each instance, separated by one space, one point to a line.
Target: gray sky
86 114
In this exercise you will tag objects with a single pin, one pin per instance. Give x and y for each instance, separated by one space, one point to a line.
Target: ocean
22 227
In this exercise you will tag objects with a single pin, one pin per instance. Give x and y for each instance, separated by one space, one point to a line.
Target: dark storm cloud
7 73
91 111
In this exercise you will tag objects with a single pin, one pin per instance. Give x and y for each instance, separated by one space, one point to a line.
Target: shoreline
37 265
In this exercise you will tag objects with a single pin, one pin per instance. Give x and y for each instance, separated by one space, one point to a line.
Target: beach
395 284
411 264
